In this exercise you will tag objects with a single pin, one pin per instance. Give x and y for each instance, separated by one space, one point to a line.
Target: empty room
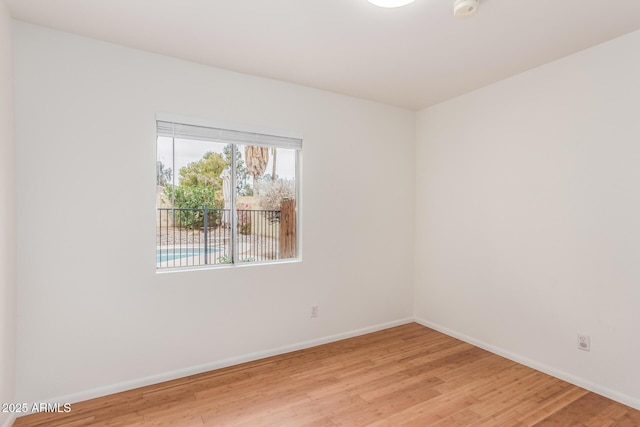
319 213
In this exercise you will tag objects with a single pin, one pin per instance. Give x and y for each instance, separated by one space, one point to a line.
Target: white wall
528 217
93 313
7 217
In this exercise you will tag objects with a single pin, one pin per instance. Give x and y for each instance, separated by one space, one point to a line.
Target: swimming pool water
163 255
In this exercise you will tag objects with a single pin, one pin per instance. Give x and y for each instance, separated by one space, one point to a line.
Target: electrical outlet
584 342
314 311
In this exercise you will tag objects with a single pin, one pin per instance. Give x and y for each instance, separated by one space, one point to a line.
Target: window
224 196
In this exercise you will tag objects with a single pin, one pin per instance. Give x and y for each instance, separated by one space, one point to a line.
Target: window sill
172 270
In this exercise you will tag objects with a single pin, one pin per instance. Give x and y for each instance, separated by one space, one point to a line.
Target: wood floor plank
403 376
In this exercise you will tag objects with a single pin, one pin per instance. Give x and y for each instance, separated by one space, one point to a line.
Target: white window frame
237 135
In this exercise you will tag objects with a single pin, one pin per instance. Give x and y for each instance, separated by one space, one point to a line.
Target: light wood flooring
404 376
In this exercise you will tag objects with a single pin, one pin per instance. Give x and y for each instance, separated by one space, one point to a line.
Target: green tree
204 173
200 184
193 200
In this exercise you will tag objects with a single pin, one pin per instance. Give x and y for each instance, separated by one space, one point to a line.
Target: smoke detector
465 7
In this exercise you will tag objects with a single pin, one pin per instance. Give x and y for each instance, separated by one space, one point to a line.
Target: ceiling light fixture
390 3
465 7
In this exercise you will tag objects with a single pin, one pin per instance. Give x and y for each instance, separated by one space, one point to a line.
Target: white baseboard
168 376
9 421
580 382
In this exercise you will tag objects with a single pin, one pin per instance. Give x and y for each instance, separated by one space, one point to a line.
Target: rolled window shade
202 133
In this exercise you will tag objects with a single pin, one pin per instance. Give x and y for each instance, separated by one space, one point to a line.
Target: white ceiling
412 57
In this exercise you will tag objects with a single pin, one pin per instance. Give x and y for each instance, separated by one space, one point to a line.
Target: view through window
224 196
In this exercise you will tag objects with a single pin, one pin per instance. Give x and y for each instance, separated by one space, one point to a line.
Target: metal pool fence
194 237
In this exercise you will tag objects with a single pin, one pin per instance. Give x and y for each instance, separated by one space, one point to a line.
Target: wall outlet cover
584 342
